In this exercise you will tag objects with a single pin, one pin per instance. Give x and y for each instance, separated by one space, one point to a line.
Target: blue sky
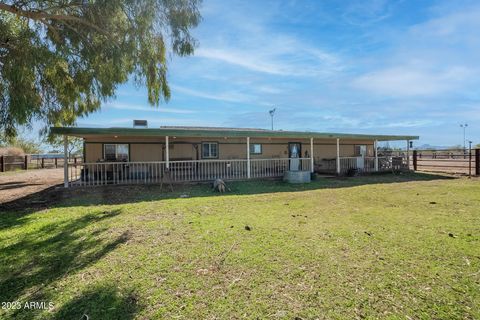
390 67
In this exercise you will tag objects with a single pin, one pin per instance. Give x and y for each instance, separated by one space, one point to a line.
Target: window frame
116 151
359 154
252 148
209 149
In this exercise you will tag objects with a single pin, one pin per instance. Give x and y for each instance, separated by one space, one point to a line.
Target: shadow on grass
53 251
102 302
16 185
115 194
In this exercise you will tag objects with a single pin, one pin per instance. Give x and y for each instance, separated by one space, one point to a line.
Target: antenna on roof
272 112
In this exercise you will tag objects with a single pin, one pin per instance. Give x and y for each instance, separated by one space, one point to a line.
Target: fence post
43 163
311 156
470 162
408 155
26 162
248 157
167 153
477 162
2 163
56 163
338 157
415 155
65 161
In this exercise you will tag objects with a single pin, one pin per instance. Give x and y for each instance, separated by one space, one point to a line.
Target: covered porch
140 156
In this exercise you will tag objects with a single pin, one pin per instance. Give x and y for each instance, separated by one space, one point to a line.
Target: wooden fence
448 161
11 163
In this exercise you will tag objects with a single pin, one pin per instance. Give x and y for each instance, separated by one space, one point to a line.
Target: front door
294 153
361 153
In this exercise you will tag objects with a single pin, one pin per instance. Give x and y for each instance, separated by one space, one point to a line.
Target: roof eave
80 132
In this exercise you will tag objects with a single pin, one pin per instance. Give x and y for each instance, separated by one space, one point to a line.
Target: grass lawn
386 246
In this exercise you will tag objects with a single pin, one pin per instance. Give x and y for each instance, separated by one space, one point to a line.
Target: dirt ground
20 184
458 166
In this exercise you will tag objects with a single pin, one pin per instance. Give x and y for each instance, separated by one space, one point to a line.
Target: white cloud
434 58
405 124
223 96
242 59
452 26
135 107
413 81
245 38
269 89
364 13
282 57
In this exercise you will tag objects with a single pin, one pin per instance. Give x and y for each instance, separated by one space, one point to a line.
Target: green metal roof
220 132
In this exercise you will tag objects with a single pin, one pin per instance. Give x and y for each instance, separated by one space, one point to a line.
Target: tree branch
41 15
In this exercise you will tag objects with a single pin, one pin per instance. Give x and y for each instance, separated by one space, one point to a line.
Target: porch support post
167 153
408 154
376 155
311 155
248 157
338 156
65 161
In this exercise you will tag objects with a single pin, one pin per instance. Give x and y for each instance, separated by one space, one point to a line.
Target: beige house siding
182 151
145 152
93 152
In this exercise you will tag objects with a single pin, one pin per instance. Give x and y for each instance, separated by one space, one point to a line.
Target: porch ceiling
218 132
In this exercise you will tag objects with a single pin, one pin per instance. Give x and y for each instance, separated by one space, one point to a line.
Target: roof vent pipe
140 124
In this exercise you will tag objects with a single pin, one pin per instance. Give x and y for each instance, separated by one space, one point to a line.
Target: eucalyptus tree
61 59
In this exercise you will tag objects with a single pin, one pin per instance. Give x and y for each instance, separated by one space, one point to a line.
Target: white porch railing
347 163
262 168
202 170
102 173
367 164
268 167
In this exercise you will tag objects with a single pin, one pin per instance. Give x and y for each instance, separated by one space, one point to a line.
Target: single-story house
148 155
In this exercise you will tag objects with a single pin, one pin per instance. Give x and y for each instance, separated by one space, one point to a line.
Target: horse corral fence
455 161
34 161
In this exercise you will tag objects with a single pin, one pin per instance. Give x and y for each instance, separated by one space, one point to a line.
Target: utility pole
464 126
272 112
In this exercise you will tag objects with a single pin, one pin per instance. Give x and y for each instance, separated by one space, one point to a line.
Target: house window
210 150
256 148
360 150
116 152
